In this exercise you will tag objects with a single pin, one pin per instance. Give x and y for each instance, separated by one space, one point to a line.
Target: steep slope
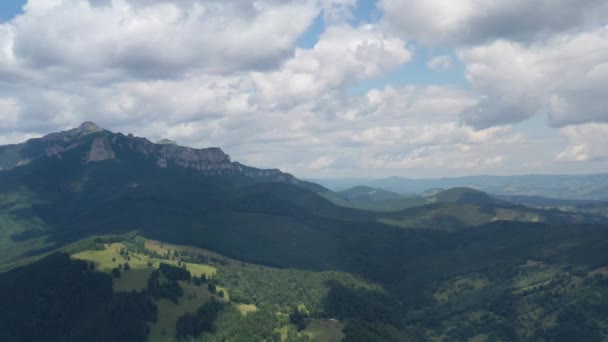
90 144
111 183
98 182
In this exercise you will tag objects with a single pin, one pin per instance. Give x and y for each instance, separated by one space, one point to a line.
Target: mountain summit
90 143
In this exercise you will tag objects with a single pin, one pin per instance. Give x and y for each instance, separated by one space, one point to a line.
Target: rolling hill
572 187
388 274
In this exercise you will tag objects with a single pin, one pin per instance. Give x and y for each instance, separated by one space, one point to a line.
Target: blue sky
321 88
9 9
414 73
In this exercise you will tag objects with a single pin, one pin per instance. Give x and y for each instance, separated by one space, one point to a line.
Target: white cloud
343 54
440 63
9 113
160 38
474 21
322 162
564 78
586 142
229 74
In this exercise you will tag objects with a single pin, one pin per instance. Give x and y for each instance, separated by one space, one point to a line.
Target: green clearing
169 312
246 308
325 330
103 259
309 290
135 279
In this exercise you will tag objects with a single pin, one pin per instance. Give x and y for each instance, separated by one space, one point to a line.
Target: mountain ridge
106 145
572 187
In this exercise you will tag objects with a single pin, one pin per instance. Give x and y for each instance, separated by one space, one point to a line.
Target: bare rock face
100 150
75 133
162 163
209 159
95 144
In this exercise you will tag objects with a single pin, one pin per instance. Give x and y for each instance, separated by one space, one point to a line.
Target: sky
321 88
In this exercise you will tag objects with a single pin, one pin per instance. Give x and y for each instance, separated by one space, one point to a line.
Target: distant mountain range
577 187
83 189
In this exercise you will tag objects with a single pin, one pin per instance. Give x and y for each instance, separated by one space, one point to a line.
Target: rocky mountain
99 145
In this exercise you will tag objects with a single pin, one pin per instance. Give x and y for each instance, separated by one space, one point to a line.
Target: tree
126 267
298 318
221 293
211 287
115 272
173 272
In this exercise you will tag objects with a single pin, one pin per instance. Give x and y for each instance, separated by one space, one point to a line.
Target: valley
211 249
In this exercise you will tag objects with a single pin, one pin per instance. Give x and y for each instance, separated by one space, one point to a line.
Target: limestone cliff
98 145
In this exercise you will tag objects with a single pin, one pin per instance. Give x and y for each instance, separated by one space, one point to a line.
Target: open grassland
108 256
169 312
144 256
111 257
246 308
325 330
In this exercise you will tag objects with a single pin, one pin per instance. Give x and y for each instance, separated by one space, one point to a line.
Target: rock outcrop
105 145
84 129
100 150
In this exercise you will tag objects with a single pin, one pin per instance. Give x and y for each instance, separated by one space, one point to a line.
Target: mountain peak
89 127
166 141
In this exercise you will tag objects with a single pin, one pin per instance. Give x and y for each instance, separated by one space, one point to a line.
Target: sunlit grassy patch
246 308
325 330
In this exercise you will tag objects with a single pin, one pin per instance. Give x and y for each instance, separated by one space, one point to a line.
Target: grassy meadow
145 256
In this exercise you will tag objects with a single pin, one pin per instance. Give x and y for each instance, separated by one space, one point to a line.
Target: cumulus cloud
158 38
586 142
564 78
230 74
343 54
440 63
478 21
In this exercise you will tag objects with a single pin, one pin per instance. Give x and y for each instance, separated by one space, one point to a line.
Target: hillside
367 194
573 187
267 239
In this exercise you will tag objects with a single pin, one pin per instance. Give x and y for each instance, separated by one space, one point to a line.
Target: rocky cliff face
211 161
100 150
97 145
208 160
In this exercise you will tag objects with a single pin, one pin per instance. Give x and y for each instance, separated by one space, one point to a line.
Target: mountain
93 144
107 226
462 195
367 194
578 187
